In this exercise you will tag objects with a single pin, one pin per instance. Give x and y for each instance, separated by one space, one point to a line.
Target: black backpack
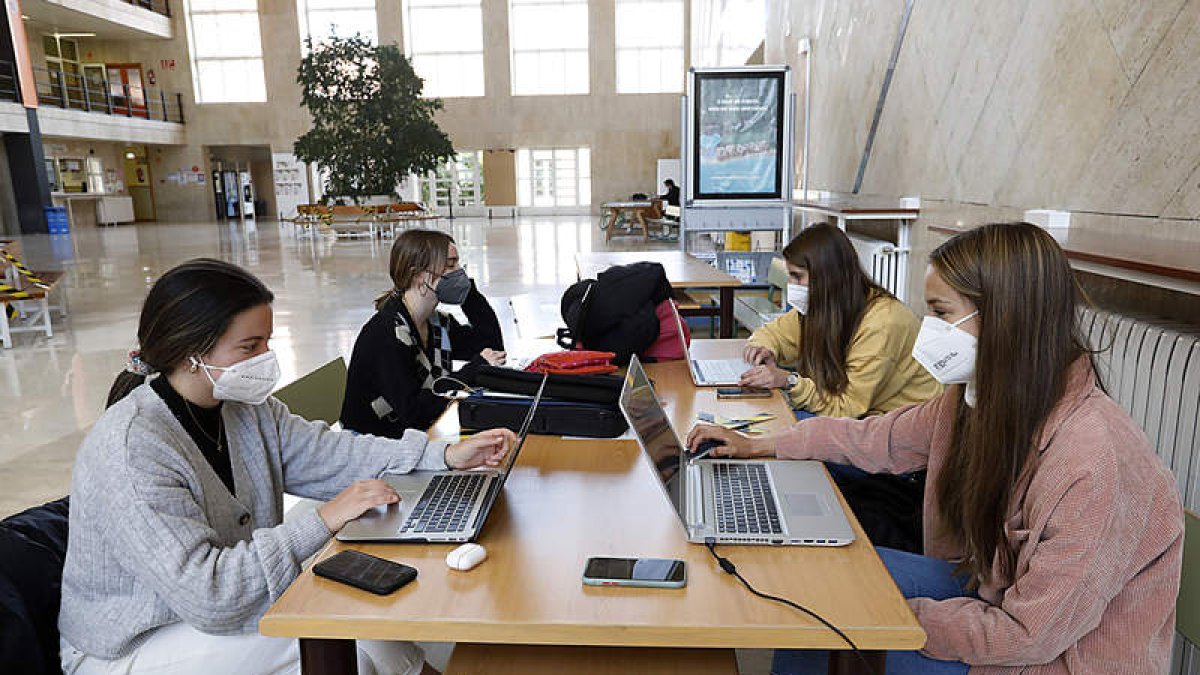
615 312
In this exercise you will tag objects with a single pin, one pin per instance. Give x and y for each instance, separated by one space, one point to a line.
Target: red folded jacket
581 362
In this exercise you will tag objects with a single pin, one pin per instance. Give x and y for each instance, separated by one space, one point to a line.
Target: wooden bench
32 306
311 218
499 659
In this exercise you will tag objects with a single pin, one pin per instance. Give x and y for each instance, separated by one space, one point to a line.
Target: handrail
72 91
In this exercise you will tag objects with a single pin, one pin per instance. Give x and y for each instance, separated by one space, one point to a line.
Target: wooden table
636 210
567 500
684 271
846 207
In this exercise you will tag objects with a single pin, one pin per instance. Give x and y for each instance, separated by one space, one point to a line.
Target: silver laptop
710 372
439 506
778 502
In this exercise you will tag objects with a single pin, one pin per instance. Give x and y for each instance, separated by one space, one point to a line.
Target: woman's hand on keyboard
756 355
732 443
484 448
767 376
356 500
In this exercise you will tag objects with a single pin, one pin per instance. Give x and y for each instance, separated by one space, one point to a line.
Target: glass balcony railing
74 91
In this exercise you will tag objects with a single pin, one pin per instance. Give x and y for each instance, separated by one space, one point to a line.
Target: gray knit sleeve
319 462
168 543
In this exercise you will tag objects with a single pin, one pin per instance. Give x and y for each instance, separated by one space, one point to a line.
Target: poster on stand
740 131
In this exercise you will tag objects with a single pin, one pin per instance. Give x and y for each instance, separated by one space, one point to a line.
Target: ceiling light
74 35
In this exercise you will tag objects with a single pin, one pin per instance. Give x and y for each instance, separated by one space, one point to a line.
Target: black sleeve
382 366
481 332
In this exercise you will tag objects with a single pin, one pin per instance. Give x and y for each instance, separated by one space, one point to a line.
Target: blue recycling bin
56 220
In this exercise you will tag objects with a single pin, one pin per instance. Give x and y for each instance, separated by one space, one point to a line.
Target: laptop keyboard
745 502
446 504
721 370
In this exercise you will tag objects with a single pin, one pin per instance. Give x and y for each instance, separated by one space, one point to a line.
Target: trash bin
56 220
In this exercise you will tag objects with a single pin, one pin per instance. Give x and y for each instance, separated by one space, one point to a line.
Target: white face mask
250 381
945 350
797 296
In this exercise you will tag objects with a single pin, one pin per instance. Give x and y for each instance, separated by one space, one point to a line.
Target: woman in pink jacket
1053 534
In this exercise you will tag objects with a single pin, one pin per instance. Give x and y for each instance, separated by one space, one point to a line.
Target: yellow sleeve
781 336
869 363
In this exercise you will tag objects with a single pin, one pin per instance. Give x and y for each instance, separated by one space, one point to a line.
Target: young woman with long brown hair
1053 534
848 340
178 544
407 346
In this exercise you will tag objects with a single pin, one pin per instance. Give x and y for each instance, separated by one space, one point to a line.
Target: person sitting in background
407 346
177 541
849 340
1053 533
671 196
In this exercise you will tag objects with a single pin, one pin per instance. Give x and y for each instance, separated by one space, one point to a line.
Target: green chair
1187 607
317 395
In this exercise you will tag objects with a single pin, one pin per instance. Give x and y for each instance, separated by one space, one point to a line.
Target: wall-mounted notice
737 125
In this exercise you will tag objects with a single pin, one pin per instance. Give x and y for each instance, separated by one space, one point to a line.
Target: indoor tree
370 127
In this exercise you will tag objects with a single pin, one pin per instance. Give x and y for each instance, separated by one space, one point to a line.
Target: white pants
179 649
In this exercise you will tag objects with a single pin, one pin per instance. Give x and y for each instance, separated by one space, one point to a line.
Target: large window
227 64
649 46
458 182
549 41
444 39
320 19
554 177
727 32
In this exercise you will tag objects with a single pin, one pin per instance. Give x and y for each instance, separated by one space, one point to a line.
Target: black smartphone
365 571
650 572
742 392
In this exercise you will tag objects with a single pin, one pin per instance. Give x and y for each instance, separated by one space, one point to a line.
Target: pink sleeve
1061 597
897 442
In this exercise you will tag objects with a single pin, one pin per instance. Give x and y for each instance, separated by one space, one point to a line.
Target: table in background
684 271
567 500
636 210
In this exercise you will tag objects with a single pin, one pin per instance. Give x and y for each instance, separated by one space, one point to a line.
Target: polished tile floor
55 388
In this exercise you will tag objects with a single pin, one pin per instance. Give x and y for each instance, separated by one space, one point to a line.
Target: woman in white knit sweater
177 542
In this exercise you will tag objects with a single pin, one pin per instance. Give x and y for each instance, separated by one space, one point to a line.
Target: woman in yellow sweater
849 340
850 343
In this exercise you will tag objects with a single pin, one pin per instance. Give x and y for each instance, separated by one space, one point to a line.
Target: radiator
1152 369
884 261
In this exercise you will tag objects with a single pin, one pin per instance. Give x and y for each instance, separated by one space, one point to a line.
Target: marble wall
1089 106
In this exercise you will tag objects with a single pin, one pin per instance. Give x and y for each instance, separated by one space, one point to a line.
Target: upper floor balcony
108 19
99 104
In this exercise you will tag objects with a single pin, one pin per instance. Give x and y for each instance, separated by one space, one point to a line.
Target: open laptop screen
649 421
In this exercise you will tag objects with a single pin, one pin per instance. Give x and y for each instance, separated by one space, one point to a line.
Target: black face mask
453 287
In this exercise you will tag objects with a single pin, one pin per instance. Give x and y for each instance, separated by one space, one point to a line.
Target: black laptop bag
571 405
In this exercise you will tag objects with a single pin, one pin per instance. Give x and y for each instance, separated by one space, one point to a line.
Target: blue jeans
918 577
802 414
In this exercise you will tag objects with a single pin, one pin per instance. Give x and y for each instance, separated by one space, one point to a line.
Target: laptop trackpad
804 504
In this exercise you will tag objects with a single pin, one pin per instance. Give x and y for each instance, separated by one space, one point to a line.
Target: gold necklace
220 426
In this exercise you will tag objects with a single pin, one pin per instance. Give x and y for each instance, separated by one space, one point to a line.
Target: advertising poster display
738 137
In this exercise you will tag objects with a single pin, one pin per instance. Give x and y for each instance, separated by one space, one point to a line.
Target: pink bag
667 347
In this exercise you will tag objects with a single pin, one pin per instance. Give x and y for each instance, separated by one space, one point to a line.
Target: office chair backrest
317 395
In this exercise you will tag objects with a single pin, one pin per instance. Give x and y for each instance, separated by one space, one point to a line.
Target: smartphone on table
365 571
742 392
647 572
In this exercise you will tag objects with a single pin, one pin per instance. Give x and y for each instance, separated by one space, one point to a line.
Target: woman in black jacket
408 345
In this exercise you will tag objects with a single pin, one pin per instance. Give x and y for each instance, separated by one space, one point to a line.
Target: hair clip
137 366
